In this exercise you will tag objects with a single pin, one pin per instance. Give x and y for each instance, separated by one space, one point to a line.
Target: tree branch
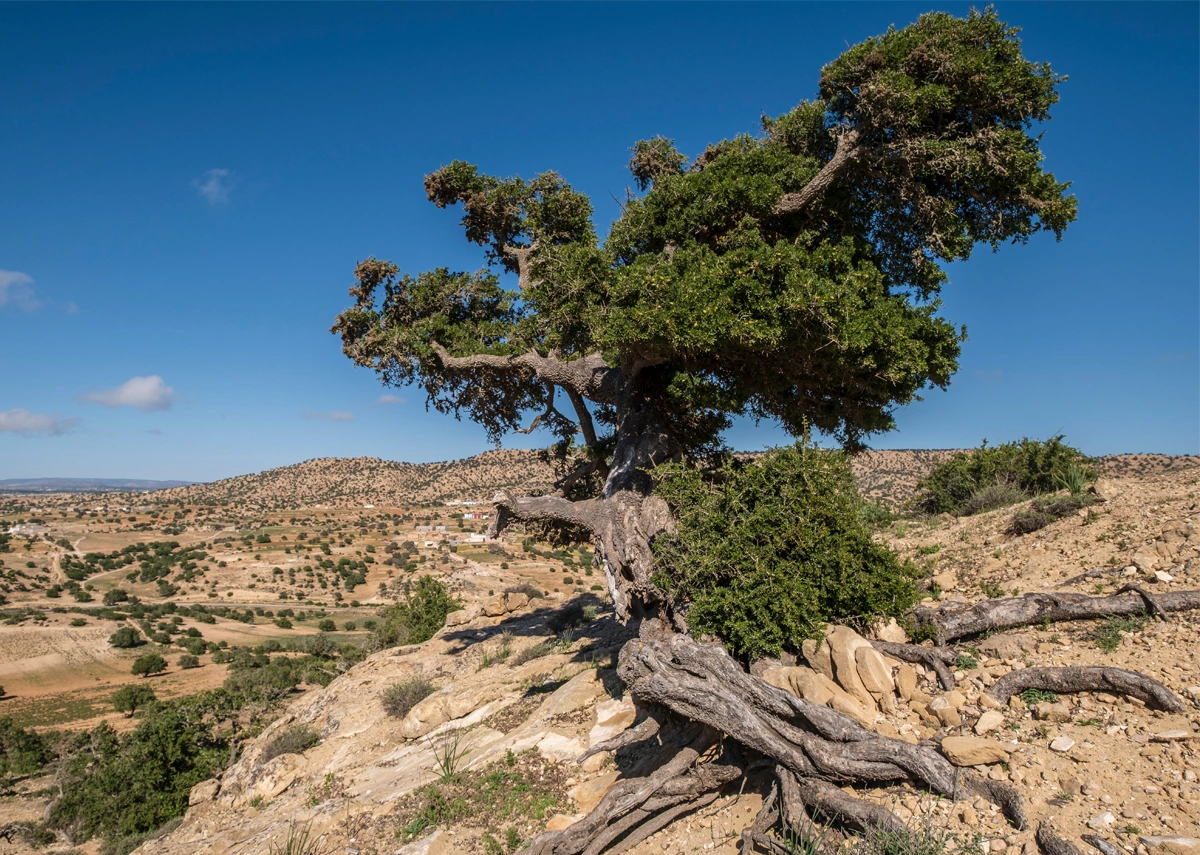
588 513
590 376
522 255
550 411
847 151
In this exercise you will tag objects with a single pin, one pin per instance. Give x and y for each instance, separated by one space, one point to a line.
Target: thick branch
1009 612
588 513
847 151
586 426
522 254
590 375
1071 679
937 658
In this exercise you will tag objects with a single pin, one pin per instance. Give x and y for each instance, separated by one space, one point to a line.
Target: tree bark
1072 679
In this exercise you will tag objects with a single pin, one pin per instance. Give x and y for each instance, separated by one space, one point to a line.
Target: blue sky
185 189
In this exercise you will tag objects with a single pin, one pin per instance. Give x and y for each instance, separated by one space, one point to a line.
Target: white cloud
335 416
144 393
25 422
390 399
15 290
215 186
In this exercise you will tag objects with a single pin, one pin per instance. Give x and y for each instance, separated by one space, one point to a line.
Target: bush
283 623
147 664
326 625
525 588
1042 512
400 698
126 637
188 661
294 740
420 614
1025 468
22 752
766 552
129 699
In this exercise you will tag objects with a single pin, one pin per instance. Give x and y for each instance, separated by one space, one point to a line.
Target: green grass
1037 696
1107 634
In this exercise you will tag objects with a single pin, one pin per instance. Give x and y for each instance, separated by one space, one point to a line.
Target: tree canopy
790 275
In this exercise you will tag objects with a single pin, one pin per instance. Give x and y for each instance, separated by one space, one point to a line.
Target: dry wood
936 658
1009 612
1052 844
1070 679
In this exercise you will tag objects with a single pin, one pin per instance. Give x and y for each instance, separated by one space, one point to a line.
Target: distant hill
84 485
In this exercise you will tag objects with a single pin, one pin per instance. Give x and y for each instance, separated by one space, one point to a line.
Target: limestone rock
873 672
906 681
1145 559
556 747
612 717
1174 845
844 643
891 631
588 794
1104 489
496 606
205 791
458 617
947 581
560 821
1062 744
973 750
516 600
1046 711
989 721
1101 822
816 653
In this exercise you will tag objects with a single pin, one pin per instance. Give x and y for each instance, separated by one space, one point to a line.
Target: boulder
205 791
612 717
844 643
1104 489
891 631
557 748
873 671
1145 559
989 721
458 617
816 653
560 821
1172 845
973 750
1046 711
496 606
515 601
588 794
906 681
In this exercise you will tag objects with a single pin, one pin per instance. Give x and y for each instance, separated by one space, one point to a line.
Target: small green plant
512 839
1074 478
922 840
491 846
256 802
928 550
1107 635
300 841
1031 697
293 740
1131 829
991 589
1041 731
1089 722
399 699
965 662
448 752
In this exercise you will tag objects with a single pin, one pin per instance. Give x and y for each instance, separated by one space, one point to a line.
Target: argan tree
791 275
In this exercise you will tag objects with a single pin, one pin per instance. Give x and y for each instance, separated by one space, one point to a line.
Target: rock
1062 744
1008 645
891 631
1163 576
1171 845
973 751
989 721
588 794
458 617
1101 821
556 747
516 600
906 681
847 705
612 717
816 653
560 821
874 672
1173 736
205 791
949 716
496 606
1046 711
843 644
1145 559
431 844
947 581
956 699
1104 489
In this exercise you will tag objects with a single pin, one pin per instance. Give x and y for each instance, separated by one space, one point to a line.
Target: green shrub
129 699
959 485
1042 512
22 752
399 699
326 625
293 740
418 615
188 661
147 664
766 552
126 637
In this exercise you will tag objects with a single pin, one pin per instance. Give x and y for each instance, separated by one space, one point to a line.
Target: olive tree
791 275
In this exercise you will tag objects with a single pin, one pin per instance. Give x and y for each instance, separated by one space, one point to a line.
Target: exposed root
937 658
1152 605
1009 612
1100 844
643 730
999 793
1052 844
1072 679
755 834
831 804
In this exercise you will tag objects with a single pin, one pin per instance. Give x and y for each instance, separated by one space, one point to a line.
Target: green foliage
293 740
326 625
147 664
1032 697
419 613
399 698
765 553
1107 634
300 841
824 315
188 661
22 752
129 699
990 476
126 637
1042 512
923 840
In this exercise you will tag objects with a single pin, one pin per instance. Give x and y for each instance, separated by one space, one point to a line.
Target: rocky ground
518 701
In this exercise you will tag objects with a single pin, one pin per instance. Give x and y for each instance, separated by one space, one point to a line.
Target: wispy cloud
24 422
390 399
215 186
144 393
16 291
335 416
